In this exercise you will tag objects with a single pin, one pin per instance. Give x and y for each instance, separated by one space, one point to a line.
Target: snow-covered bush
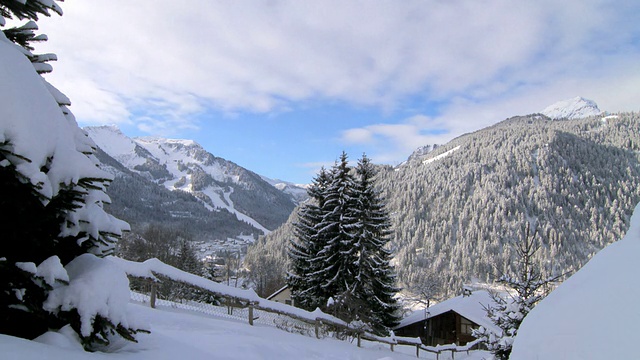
51 195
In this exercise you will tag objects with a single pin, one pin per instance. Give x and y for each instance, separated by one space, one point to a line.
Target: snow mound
96 287
576 108
592 315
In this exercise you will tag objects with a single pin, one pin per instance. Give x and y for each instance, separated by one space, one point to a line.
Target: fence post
152 298
250 314
318 329
418 351
359 339
453 355
391 347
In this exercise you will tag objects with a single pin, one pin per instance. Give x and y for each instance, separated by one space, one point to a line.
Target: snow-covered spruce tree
375 279
52 195
24 35
186 259
339 260
526 289
305 289
336 260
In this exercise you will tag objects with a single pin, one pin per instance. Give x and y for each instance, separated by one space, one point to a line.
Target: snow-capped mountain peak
297 191
575 108
111 140
185 165
159 140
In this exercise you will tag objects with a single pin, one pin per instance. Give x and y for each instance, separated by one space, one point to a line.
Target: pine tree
527 288
24 35
339 259
187 259
336 258
376 278
52 203
306 290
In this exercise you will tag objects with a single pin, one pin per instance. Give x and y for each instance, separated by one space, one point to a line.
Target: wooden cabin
450 321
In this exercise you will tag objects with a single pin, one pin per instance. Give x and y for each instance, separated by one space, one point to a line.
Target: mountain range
179 184
459 209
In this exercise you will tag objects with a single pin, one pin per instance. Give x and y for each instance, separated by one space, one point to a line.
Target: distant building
283 295
450 321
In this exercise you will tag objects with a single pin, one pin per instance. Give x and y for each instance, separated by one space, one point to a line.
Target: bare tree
527 287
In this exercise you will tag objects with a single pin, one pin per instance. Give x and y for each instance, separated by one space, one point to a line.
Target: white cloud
391 143
92 103
123 61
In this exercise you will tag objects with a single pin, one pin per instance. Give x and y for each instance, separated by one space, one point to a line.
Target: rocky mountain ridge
184 166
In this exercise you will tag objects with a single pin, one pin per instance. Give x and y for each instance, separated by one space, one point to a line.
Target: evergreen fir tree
305 289
376 278
187 259
30 10
53 210
336 259
339 259
24 35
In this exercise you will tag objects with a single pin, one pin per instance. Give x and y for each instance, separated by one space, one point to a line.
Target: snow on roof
593 314
277 292
470 307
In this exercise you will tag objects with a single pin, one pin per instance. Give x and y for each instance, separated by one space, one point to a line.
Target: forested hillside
457 209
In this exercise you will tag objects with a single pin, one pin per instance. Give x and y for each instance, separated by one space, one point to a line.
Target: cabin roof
470 307
277 292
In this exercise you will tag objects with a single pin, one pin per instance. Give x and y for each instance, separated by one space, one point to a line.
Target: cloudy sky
282 87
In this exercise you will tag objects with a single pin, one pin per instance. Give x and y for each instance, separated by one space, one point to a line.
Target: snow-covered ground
179 334
441 156
183 330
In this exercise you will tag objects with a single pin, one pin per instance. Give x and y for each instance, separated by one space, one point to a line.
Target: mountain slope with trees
184 165
457 209
144 204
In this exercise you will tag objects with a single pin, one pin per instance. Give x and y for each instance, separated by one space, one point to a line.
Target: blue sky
283 87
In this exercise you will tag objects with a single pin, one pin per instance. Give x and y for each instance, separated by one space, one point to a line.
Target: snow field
178 334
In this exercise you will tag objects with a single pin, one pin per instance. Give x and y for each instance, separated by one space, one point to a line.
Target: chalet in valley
449 322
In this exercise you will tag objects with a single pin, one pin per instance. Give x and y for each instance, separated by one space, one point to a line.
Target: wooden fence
151 270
